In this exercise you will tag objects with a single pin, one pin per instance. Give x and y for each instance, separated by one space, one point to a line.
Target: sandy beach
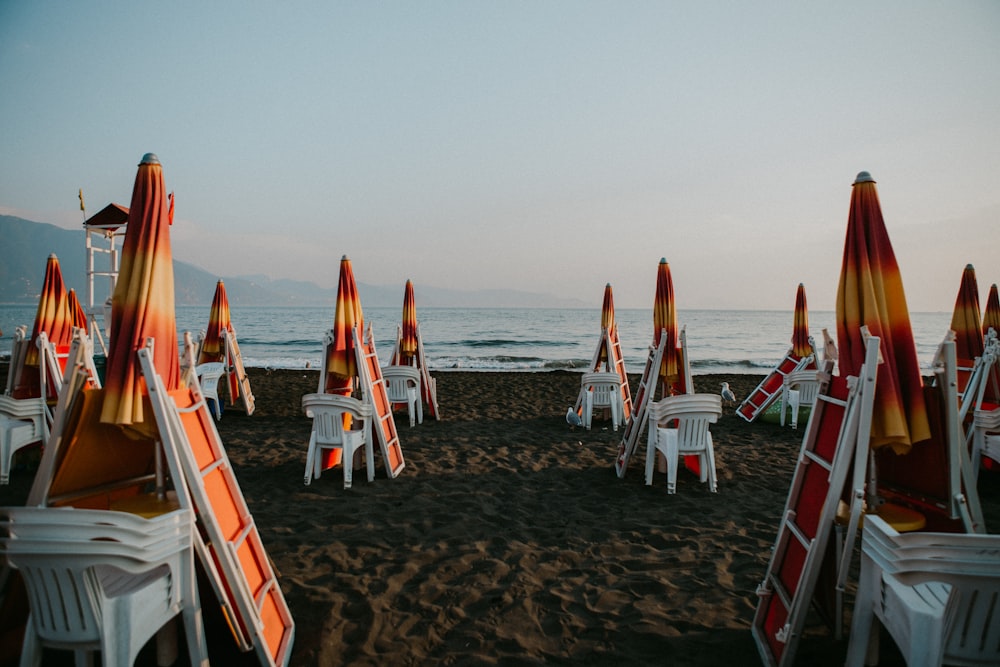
508 539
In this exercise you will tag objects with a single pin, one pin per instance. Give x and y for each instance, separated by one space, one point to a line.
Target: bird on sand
572 418
727 394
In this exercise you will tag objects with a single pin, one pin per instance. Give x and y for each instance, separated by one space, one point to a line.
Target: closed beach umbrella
607 321
665 318
870 293
991 320
341 365
991 317
965 320
142 305
408 344
801 346
77 311
53 316
212 348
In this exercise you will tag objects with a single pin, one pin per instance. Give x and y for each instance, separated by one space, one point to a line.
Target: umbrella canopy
408 344
991 318
801 347
607 321
212 349
142 305
965 321
341 365
870 293
665 318
77 311
53 315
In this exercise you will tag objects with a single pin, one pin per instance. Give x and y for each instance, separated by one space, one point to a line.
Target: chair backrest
969 563
607 388
398 380
693 413
210 372
18 351
327 412
65 555
806 381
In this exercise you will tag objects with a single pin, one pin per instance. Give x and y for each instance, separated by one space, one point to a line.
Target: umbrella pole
161 485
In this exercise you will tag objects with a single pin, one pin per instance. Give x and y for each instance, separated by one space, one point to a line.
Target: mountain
28 244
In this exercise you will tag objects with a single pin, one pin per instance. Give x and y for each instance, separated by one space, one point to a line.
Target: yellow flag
81 200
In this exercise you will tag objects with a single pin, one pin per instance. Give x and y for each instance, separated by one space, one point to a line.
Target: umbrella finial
863 177
663 260
970 267
149 158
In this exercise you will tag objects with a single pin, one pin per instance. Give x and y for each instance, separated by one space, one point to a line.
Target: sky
550 146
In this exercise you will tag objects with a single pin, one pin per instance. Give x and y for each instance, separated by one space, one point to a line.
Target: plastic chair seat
690 437
105 581
602 391
328 412
402 386
209 375
799 390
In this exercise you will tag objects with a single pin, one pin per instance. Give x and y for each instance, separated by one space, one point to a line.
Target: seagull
727 393
572 418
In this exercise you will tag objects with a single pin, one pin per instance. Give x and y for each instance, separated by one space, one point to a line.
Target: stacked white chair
937 595
799 389
402 385
690 437
602 391
105 581
328 433
209 375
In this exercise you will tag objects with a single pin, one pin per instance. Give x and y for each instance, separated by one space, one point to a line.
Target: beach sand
509 540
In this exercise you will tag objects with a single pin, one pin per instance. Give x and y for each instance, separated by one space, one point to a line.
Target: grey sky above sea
544 147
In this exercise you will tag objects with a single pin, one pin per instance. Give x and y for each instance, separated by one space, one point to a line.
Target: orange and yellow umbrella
991 317
801 347
212 348
607 322
341 364
219 320
965 320
142 305
77 311
53 316
408 344
665 318
870 293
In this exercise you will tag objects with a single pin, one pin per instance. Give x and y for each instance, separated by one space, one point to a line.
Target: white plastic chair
800 389
985 438
105 581
693 414
23 422
402 385
208 379
327 412
937 594
602 391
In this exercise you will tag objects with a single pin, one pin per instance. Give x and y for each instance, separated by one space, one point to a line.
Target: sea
521 340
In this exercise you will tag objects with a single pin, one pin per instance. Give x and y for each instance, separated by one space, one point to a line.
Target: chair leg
863 640
793 400
370 459
650 454
310 459
709 466
672 462
348 462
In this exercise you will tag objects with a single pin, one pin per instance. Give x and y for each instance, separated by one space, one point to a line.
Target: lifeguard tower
103 230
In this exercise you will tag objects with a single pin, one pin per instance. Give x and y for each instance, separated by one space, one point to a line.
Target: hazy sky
544 146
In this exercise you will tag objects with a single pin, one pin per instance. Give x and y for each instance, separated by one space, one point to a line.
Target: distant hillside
27 245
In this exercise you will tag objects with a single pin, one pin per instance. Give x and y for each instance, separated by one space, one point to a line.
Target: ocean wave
503 342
